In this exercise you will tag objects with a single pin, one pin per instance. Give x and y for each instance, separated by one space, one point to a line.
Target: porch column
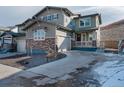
81 39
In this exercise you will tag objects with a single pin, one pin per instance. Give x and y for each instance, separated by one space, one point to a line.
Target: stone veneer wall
41 44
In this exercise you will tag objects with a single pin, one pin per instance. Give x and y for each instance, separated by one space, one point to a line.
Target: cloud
15 15
109 14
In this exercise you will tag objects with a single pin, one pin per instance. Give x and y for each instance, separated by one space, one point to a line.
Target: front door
78 37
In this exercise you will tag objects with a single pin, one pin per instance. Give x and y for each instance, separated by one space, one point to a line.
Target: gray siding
60 19
50 32
93 24
63 33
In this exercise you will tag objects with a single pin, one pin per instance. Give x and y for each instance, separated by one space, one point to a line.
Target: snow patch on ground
116 81
110 54
111 73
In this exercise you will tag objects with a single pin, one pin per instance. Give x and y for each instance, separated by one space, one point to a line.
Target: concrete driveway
49 73
63 66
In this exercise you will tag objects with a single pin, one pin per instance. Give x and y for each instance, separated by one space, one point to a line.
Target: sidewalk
7 71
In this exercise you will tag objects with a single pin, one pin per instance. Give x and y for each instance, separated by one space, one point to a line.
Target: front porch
85 44
85 40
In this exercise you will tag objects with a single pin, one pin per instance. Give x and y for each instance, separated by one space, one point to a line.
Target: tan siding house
57 29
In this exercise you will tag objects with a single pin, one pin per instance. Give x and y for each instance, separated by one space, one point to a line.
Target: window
82 23
49 17
8 40
55 16
39 34
85 22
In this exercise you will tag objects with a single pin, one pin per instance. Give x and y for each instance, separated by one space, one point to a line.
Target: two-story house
59 29
86 30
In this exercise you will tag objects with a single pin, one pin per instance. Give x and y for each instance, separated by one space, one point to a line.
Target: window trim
48 18
36 38
53 16
84 20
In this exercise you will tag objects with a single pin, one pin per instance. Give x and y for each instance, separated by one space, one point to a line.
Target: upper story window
39 34
85 22
50 17
55 16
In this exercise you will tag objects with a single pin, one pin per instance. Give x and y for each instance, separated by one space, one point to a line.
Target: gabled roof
58 8
68 12
33 21
112 25
13 34
96 14
26 21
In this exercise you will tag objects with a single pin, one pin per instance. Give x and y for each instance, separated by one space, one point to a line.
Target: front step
85 49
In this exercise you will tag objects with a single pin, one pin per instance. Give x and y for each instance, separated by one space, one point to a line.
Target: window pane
87 23
39 34
48 17
81 23
55 16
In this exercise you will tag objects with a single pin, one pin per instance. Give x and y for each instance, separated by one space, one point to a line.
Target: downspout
55 41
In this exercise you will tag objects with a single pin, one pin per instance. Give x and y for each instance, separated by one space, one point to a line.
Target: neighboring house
58 29
10 41
13 39
21 39
111 34
2 30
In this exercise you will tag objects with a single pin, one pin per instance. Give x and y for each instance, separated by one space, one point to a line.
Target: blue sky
10 16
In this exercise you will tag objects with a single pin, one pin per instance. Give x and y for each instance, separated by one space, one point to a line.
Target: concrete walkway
63 66
7 71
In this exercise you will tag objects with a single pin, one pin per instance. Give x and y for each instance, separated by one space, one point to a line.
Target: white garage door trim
69 37
21 46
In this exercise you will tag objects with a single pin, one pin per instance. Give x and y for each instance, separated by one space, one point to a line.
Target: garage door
63 43
21 46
